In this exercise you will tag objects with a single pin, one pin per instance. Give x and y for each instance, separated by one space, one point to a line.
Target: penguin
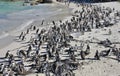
20 35
7 54
97 57
53 22
82 55
87 50
42 22
37 31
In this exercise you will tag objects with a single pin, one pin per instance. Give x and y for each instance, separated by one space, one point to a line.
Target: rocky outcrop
43 1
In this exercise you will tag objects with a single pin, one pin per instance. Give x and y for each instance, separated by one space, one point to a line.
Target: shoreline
36 22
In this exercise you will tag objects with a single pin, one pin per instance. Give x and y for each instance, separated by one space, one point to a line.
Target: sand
106 66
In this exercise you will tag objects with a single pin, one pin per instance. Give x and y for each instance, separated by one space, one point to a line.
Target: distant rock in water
44 1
